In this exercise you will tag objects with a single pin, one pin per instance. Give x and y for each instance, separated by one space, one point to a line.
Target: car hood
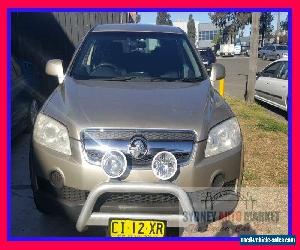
81 104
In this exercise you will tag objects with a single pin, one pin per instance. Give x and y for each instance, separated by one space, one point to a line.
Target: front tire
41 206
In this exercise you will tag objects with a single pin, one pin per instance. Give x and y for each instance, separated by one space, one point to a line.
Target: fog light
164 165
114 163
218 181
56 179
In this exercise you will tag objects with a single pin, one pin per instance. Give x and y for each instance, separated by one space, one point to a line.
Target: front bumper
193 208
190 185
89 218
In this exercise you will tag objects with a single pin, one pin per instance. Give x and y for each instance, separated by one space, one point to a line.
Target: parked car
272 84
226 50
273 52
24 100
208 57
135 131
237 49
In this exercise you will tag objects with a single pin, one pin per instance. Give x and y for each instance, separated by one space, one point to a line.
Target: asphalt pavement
235 81
236 70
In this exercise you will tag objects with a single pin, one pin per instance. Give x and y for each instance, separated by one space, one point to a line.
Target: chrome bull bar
89 218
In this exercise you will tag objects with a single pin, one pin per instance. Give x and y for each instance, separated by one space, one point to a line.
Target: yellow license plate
136 228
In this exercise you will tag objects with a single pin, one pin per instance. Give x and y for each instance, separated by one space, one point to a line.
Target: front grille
96 141
73 194
66 193
77 195
125 134
142 198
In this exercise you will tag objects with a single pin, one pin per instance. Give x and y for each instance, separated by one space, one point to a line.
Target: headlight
164 165
223 137
114 163
51 134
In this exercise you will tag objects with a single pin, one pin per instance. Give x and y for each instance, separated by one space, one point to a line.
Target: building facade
206 34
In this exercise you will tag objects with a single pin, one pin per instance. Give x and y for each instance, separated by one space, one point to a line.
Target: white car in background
272 84
226 50
237 49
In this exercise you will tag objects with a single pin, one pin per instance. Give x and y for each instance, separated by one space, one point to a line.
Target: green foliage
163 18
218 38
257 116
271 125
230 23
284 25
191 29
265 24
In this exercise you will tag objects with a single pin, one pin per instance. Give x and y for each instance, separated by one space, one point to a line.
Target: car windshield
204 54
132 55
281 47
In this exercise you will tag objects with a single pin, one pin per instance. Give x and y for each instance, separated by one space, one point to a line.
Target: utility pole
253 56
278 27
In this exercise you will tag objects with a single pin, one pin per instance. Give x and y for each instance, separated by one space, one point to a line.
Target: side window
283 71
271 70
193 69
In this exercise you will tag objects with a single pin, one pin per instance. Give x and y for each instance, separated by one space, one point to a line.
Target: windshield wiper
128 78
119 78
141 78
158 78
191 79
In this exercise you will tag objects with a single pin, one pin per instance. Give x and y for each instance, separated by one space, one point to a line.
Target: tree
230 23
249 94
191 29
265 24
163 18
217 38
284 25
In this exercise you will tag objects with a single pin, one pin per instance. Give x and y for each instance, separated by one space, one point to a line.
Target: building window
207 35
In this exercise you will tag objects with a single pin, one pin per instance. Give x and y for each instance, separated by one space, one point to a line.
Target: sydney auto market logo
222 203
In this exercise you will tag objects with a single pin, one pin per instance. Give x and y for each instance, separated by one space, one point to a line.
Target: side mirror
54 67
217 72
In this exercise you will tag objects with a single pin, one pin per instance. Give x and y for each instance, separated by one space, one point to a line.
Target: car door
278 86
262 85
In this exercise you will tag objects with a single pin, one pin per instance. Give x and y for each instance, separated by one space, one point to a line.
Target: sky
150 18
